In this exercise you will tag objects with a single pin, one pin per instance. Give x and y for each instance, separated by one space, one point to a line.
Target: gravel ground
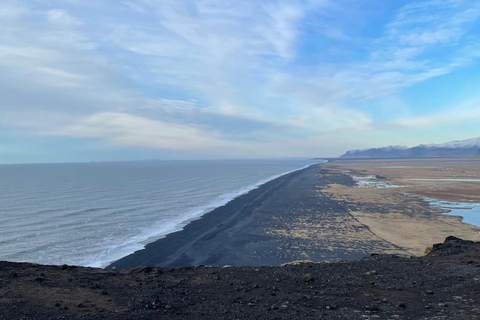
445 284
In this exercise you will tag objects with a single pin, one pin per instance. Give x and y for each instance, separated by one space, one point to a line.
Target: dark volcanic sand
442 285
238 233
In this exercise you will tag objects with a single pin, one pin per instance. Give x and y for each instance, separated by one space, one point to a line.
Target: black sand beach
266 227
300 216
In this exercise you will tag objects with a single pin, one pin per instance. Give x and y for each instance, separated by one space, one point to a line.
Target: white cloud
125 129
281 31
12 9
401 61
432 22
139 65
61 18
465 111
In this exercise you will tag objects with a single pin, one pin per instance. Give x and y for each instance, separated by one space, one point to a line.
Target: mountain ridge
455 149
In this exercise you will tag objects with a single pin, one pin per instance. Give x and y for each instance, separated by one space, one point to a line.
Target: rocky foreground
445 284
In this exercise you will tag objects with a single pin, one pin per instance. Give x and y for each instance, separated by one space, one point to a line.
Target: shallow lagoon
469 211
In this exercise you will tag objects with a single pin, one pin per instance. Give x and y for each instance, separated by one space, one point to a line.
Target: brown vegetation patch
397 214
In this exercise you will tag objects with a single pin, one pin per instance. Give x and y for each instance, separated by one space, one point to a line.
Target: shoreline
467 211
283 220
217 216
220 201
318 213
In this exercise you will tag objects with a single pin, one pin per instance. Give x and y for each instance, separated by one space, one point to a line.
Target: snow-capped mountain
385 152
459 148
474 142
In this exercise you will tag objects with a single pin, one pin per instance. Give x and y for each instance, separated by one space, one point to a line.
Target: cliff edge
442 284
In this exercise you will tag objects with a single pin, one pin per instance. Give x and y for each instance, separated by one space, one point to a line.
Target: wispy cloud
399 59
125 129
199 74
466 111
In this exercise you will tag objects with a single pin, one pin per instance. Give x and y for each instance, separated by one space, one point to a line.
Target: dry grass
400 172
398 215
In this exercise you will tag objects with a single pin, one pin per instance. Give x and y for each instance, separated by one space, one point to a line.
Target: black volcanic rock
441 285
451 246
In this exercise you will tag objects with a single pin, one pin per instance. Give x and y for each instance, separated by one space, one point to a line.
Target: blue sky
84 80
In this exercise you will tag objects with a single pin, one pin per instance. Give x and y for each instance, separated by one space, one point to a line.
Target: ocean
91 214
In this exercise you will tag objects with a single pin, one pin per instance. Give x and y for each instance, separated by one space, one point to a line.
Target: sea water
91 214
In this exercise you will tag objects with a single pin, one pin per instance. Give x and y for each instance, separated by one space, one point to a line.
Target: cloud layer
240 76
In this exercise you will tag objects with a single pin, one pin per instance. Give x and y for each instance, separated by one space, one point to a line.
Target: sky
106 80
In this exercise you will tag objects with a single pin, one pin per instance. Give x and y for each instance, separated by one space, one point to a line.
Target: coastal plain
286 219
391 201
322 213
340 240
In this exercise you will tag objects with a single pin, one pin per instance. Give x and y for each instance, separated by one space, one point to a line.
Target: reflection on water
469 211
372 181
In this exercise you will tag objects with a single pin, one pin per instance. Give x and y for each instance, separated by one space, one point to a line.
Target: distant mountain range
453 149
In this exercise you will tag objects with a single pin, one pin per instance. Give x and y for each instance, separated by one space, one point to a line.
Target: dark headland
442 285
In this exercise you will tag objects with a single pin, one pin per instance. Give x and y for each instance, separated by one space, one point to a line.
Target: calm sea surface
94 213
